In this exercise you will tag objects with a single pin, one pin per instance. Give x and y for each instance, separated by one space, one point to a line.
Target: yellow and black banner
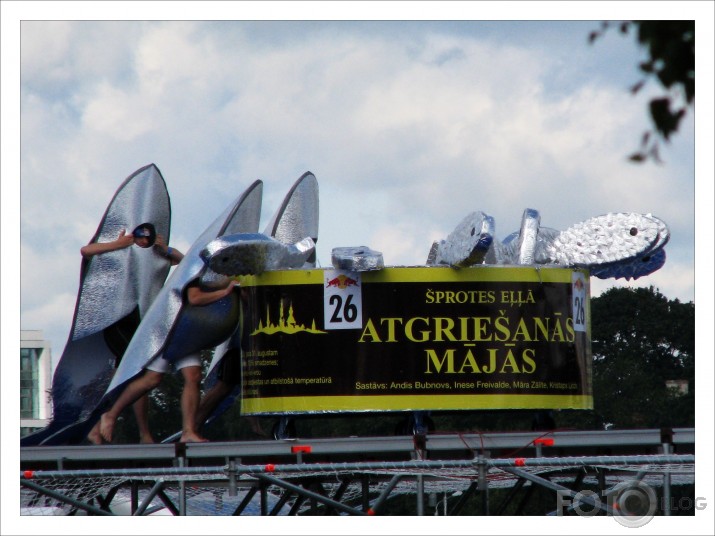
416 338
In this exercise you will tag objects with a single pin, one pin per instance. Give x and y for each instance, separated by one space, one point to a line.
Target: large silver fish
116 290
254 253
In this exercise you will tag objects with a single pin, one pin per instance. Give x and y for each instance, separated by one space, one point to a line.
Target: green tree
641 340
670 45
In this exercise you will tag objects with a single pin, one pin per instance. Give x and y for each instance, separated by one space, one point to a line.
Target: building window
29 383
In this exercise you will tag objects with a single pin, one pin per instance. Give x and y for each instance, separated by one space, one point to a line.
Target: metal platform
354 475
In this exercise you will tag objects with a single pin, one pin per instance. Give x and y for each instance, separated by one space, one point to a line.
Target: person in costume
196 297
118 336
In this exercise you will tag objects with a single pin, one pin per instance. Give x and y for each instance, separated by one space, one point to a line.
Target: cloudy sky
407 125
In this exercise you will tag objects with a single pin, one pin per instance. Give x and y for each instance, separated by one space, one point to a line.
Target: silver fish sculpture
254 253
467 245
357 259
606 239
116 290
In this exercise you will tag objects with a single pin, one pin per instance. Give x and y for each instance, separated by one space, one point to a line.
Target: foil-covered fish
467 245
604 240
254 253
116 290
357 259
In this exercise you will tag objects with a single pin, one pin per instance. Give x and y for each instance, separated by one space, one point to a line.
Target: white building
35 381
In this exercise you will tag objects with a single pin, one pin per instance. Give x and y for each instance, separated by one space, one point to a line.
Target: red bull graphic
342 281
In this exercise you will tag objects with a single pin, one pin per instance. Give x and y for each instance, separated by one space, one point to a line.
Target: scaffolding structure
356 475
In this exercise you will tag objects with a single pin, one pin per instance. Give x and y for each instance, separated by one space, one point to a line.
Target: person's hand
160 245
124 240
232 284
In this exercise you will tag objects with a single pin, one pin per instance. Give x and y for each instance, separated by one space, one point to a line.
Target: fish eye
634 231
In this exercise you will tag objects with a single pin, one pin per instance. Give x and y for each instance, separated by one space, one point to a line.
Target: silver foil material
468 244
253 253
611 238
357 259
297 217
116 282
154 332
526 244
116 288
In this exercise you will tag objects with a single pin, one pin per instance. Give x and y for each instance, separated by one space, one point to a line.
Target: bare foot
192 437
106 427
94 436
146 439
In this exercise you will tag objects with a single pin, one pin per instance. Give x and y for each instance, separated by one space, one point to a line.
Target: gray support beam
420 495
63 455
309 494
167 502
246 500
64 498
666 484
415 465
386 492
156 488
534 479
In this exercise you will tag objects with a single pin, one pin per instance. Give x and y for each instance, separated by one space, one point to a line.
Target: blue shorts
159 364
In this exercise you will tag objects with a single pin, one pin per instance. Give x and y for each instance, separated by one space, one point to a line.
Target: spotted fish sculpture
116 290
613 245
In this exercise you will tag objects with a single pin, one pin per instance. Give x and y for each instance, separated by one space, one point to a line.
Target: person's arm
123 241
173 254
196 296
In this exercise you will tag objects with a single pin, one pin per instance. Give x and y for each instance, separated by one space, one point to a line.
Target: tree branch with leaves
671 61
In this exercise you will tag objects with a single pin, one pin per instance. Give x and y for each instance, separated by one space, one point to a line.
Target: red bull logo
341 282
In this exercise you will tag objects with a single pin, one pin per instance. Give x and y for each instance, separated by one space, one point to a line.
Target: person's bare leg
141 414
210 401
190 404
137 388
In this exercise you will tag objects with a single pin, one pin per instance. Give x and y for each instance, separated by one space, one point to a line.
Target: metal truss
353 476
